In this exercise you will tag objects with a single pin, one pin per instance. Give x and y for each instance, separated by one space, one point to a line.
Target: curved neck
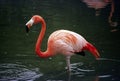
39 41
41 35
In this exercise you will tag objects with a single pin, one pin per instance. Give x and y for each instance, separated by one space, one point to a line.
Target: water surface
18 61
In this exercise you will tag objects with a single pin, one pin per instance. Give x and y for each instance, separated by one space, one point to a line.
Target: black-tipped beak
27 29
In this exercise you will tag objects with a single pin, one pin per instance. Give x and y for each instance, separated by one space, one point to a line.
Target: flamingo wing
66 42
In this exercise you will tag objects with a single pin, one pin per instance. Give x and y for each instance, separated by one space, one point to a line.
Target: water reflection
99 4
77 72
96 4
17 72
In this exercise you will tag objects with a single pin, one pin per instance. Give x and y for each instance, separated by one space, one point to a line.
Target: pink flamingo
63 42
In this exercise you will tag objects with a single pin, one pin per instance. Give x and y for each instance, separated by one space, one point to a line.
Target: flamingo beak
27 29
29 24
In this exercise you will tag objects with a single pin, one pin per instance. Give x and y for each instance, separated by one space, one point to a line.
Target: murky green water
18 61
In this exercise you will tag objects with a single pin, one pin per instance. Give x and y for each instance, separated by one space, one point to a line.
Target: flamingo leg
68 63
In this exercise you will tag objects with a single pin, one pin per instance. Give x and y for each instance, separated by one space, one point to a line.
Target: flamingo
63 42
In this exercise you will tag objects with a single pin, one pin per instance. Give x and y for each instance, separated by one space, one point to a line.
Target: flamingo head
34 20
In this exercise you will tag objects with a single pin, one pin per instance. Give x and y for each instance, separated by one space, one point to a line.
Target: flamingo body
66 42
60 42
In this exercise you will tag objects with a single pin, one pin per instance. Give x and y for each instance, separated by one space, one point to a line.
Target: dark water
18 61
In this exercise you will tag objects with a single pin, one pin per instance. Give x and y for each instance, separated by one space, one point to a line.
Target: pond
18 61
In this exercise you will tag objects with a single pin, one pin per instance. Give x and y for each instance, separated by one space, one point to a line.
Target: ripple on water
75 66
76 69
16 72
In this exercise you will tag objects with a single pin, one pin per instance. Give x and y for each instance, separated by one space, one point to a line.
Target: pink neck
39 41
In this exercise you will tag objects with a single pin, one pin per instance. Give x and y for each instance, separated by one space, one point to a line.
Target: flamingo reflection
99 4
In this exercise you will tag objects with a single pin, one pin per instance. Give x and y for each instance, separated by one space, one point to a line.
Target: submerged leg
68 63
